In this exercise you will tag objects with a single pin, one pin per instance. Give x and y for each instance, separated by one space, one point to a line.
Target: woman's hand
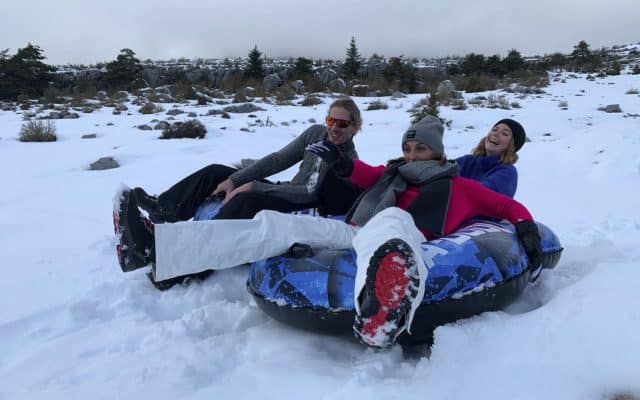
225 186
242 188
528 234
330 154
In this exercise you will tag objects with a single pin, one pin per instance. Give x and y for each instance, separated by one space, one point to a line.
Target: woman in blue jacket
491 162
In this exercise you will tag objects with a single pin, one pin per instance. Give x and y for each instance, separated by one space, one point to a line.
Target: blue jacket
489 171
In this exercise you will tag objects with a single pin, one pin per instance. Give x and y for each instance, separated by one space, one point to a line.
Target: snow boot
390 289
135 246
150 204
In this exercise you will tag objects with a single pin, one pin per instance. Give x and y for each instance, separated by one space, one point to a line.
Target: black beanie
517 130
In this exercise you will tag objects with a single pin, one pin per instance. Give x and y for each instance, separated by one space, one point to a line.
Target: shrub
38 131
563 104
311 101
192 129
632 91
377 105
458 104
284 95
150 108
498 102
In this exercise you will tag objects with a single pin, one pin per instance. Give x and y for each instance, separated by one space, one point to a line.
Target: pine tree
473 64
302 66
24 73
124 71
513 61
254 69
353 61
424 110
494 65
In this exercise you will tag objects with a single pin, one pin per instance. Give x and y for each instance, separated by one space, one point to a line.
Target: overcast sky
85 31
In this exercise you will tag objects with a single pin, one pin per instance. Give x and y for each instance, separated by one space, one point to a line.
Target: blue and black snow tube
481 267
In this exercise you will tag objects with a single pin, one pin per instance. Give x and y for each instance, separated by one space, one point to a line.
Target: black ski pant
180 201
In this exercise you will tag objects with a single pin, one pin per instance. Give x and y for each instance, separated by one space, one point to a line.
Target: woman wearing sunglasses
246 191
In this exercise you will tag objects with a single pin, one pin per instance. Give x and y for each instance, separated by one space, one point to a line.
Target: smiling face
412 150
335 133
498 140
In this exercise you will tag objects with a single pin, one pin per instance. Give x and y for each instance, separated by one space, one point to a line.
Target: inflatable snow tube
481 267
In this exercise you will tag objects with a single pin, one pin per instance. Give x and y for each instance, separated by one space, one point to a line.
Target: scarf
394 181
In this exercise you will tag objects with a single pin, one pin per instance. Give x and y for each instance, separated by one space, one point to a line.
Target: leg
193 246
181 200
246 205
390 276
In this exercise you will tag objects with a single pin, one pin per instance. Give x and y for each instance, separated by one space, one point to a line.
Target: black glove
335 159
530 238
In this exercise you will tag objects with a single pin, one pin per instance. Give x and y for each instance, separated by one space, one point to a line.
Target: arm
365 175
491 204
496 205
275 162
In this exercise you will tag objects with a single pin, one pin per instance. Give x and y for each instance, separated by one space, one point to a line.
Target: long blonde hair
509 156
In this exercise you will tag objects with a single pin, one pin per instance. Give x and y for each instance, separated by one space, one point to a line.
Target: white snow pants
193 246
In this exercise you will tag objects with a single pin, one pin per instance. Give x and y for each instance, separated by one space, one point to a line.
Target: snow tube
481 267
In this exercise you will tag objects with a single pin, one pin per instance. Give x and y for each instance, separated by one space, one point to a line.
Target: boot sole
128 258
390 289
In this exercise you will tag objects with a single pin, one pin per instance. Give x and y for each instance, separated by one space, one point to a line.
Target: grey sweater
302 188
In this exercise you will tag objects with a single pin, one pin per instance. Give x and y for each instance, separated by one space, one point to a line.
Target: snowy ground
73 326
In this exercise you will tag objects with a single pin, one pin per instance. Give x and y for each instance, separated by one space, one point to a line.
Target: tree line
26 75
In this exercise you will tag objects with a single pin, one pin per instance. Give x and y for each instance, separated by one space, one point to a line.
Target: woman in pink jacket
414 198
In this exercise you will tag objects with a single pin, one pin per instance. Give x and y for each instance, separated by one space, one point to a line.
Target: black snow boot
150 204
136 247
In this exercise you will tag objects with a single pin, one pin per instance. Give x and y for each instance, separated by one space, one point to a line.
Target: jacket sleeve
365 175
274 162
495 205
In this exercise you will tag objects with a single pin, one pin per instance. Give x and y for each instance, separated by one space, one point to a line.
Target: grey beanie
428 130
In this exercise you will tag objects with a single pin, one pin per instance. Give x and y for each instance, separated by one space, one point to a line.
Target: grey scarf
383 193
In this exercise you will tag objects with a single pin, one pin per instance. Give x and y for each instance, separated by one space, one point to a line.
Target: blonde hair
509 156
354 112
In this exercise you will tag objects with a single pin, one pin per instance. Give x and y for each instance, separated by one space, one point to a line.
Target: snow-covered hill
73 326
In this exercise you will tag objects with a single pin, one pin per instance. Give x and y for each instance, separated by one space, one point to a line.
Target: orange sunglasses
342 123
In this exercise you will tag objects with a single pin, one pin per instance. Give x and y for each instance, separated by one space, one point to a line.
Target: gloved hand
335 159
530 238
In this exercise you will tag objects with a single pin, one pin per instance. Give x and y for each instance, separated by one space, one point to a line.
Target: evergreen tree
581 52
557 60
353 61
403 75
473 64
124 71
513 61
302 66
24 73
254 69
430 108
494 65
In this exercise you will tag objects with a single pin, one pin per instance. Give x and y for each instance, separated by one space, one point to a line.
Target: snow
72 325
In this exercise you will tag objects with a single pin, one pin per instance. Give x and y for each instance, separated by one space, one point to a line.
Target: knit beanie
428 131
517 130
